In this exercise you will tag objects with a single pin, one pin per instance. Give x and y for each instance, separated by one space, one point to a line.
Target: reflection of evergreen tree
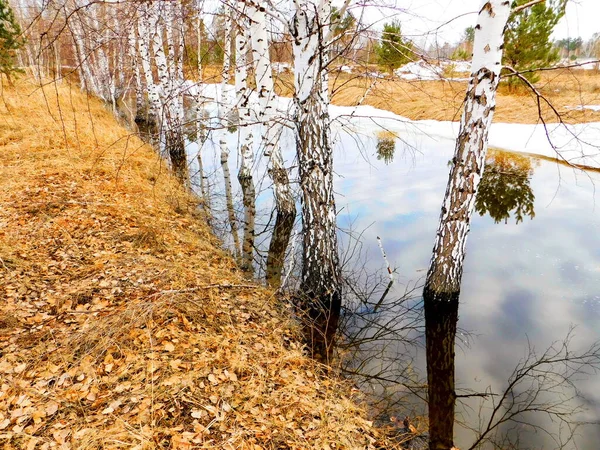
505 188
386 146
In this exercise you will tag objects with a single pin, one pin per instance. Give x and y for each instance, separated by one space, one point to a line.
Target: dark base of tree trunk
284 224
441 317
146 124
321 314
249 200
175 147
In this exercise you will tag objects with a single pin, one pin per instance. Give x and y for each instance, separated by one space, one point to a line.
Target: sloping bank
122 322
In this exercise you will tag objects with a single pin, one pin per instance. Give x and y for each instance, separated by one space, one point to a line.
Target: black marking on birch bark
488 7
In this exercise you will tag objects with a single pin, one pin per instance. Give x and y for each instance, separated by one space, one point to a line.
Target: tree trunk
200 128
320 285
172 104
284 200
245 140
149 122
442 286
224 118
140 110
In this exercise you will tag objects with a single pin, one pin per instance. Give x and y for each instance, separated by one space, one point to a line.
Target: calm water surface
524 284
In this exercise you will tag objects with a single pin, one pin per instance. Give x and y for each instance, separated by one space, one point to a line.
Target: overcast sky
421 18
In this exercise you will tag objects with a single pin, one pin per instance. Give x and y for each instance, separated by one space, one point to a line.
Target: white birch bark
86 75
145 20
272 128
445 271
119 51
200 133
320 272
179 25
102 67
223 111
245 139
132 45
168 13
172 103
442 285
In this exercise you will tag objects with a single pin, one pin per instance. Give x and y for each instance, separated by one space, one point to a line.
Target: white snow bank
432 71
460 66
577 144
419 70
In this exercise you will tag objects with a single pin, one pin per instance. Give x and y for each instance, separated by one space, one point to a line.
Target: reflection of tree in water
386 146
505 188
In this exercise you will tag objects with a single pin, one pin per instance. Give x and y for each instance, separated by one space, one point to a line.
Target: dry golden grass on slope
122 323
442 100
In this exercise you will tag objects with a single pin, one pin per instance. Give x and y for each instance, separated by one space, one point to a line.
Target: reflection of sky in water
528 281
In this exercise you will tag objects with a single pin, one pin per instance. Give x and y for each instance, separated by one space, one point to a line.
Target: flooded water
532 270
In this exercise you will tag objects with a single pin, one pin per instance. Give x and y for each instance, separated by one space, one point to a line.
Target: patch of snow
432 71
459 66
576 144
582 107
345 69
419 70
581 64
375 75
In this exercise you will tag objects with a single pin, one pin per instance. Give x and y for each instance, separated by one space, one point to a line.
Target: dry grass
442 100
122 323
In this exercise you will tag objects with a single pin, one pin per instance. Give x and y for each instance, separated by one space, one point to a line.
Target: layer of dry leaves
122 322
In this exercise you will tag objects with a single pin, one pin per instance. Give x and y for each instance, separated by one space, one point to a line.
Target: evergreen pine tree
10 39
393 51
527 43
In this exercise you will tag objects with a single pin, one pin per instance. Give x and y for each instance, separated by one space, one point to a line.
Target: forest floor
566 90
122 322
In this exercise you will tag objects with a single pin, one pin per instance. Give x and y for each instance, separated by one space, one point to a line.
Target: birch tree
200 131
272 128
224 123
245 138
320 284
161 21
143 27
132 43
442 285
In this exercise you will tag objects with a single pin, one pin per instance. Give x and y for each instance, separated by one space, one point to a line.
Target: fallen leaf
169 347
20 368
51 408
